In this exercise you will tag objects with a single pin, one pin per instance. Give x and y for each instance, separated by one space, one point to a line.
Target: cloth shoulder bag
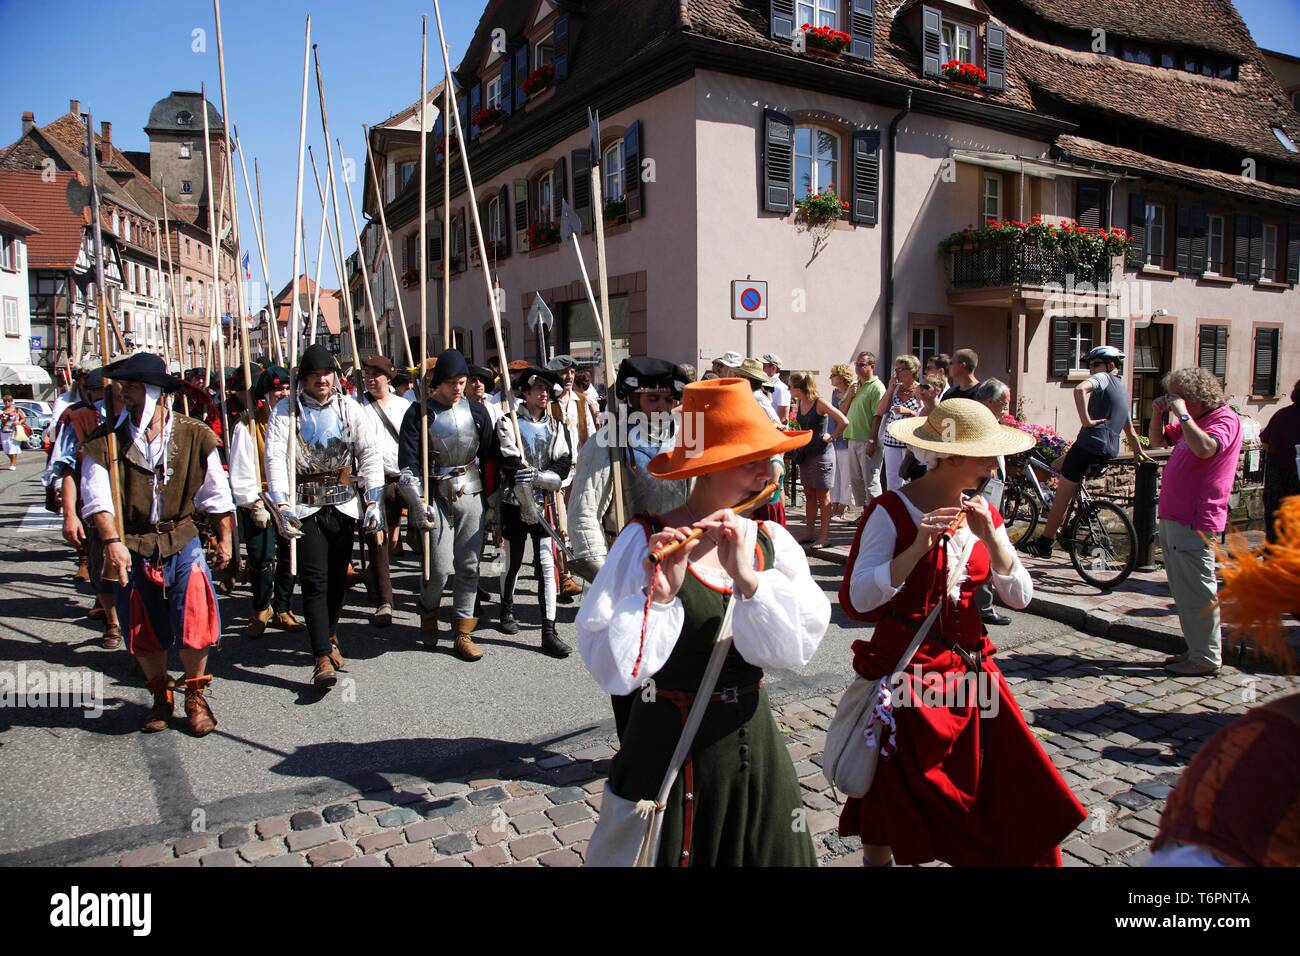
854 736
628 832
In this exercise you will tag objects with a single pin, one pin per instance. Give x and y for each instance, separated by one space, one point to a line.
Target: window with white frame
1214 245
126 228
612 162
496 228
493 92
1155 238
1268 259
187 150
925 343
11 316
816 159
8 253
546 197
819 13
992 197
1081 342
544 51
957 42
117 224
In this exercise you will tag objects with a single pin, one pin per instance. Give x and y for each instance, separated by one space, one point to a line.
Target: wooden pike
272 331
171 285
294 320
388 246
422 389
260 219
361 255
446 213
327 233
214 229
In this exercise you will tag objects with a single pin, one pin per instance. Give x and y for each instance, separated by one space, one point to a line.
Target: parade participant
571 409
647 389
387 412
268 552
535 471
402 385
478 388
460 431
650 626
961 779
203 406
167 468
336 451
78 422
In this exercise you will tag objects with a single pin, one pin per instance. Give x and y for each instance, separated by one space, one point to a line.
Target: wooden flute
659 554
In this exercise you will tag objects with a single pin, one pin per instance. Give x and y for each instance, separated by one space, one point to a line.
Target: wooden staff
659 554
162 323
344 291
171 286
260 219
446 213
213 232
388 246
293 308
272 331
326 233
313 298
361 254
421 389
606 345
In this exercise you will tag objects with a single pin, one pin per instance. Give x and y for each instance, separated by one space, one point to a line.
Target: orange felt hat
729 429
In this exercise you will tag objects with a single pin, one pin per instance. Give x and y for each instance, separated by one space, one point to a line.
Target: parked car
29 405
38 423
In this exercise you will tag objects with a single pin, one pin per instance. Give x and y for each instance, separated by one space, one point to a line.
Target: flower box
543 234
1081 248
539 79
825 40
961 72
488 117
615 211
825 206
411 277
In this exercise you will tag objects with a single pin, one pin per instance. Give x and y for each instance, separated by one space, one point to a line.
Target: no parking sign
748 299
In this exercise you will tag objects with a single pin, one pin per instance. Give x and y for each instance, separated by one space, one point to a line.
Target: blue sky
120 57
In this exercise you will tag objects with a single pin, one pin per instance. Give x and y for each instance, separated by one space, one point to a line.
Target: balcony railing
1020 265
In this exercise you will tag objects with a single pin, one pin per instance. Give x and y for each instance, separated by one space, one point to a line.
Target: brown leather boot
464 646
198 715
323 677
285 621
336 657
164 704
429 627
83 572
112 638
569 588
257 624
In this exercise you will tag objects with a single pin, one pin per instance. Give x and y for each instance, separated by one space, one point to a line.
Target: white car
30 405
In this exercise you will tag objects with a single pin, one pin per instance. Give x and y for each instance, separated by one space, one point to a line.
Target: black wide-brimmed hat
483 374
317 358
143 367
641 373
93 379
531 374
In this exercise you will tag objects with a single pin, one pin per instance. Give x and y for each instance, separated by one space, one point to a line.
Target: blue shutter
475 104
632 152
505 217
582 186
931 41
862 28
995 58
782 19
560 58
507 84
521 74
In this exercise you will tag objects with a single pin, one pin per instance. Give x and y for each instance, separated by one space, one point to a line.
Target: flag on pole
247 275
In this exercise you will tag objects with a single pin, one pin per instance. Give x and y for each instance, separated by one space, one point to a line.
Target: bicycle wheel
1019 514
1102 544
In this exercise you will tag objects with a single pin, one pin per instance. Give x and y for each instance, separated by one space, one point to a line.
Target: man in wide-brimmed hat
461 439
272 577
167 468
339 485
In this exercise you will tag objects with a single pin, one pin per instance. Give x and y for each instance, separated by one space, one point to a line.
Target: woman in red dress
961 778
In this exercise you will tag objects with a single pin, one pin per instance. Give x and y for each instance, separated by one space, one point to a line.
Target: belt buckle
730 695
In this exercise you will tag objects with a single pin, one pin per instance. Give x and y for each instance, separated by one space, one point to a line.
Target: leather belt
324 478
728 695
162 527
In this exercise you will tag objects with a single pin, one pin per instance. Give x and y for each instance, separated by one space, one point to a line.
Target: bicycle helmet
1105 352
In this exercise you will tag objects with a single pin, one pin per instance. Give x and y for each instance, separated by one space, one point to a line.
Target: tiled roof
1090 151
1207 24
12 223
45 205
330 303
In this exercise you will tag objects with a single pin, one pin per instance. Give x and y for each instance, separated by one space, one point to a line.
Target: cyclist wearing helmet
1103 403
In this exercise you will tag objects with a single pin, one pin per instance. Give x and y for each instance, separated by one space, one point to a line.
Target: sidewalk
1140 612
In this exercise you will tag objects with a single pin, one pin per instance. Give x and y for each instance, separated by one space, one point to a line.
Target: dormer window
493 92
819 13
949 33
184 118
1287 142
957 43
544 51
187 150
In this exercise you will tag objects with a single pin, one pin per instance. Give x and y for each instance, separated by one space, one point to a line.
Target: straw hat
730 430
961 426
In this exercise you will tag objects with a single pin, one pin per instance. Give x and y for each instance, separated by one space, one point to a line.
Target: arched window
546 197
496 223
184 118
613 160
816 160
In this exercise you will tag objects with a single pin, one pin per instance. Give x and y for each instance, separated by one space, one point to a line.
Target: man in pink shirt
1206 440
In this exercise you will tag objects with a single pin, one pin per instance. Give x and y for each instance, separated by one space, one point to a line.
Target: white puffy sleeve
781 624
1017 588
609 623
244 479
277 452
94 493
213 496
870 578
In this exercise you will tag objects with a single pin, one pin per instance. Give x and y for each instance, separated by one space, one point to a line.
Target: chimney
29 120
105 142
74 107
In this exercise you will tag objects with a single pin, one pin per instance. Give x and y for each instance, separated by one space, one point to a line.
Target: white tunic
871 580
778 627
394 410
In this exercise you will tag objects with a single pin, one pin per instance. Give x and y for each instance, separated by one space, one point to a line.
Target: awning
23 375
1042 168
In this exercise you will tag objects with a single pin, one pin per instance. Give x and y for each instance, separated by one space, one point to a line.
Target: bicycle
1097 535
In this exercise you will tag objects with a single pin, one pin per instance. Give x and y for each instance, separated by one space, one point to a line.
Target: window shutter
521 74
475 104
1116 336
462 107
581 159
1264 381
995 57
505 218
1256 247
435 243
1240 246
1183 238
1088 199
1212 351
931 41
507 84
561 184
866 176
1293 253
632 152
1200 239
560 58
782 19
1137 228
778 161
1061 355
521 215
437 138
862 28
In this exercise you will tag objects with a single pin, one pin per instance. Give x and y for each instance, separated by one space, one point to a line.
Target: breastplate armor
453 436
538 438
324 439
